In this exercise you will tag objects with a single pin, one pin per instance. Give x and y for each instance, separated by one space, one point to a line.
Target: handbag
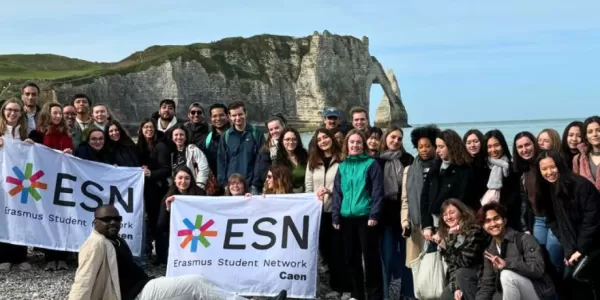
585 269
429 274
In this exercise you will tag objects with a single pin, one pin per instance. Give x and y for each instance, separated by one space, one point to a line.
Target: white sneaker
62 265
5 267
25 266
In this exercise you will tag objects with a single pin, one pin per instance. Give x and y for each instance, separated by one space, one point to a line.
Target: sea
508 128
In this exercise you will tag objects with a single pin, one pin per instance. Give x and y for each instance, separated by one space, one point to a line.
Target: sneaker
50 266
346 296
332 294
62 265
5 267
25 266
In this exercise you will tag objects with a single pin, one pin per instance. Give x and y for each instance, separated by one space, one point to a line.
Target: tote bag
429 274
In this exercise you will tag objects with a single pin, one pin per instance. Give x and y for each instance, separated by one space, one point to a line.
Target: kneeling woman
462 243
356 207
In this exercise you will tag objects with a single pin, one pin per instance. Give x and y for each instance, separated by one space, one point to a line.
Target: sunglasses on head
117 219
195 112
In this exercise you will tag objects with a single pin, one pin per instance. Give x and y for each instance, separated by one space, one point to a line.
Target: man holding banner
107 271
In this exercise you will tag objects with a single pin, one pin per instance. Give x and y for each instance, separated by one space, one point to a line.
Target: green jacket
358 188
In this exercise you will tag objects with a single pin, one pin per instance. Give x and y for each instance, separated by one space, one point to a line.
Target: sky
456 61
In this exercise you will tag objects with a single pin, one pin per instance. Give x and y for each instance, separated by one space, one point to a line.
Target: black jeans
331 247
362 241
467 280
13 254
54 255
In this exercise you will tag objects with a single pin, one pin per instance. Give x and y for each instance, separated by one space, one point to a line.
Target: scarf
392 173
273 149
414 186
499 172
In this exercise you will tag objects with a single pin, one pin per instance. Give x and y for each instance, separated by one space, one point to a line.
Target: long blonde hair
22 122
44 121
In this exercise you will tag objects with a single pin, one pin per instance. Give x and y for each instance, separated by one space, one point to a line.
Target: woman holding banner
13 125
53 133
183 184
357 201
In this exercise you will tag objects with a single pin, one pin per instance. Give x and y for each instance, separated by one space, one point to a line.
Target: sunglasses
196 112
332 118
117 219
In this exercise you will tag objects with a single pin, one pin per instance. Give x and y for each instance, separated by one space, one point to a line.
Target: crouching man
514 266
107 270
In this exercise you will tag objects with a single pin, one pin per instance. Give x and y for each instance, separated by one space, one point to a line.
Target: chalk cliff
295 76
391 111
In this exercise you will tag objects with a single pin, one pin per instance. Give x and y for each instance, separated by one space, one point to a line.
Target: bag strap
519 242
208 140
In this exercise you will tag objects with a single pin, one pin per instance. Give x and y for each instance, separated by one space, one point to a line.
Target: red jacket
54 139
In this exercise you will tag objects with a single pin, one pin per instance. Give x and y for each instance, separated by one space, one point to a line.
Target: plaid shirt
464 250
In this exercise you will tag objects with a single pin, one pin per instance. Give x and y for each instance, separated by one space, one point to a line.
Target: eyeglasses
332 118
12 110
108 219
195 112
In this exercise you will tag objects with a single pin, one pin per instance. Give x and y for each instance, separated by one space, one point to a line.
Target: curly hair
456 148
430 132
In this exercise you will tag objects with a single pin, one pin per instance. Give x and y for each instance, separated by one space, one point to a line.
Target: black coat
439 187
582 217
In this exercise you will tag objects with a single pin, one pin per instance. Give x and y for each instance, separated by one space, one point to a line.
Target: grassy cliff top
52 69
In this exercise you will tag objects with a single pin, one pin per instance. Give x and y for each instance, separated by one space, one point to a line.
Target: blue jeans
393 255
545 237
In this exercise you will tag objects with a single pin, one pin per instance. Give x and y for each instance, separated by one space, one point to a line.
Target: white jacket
196 161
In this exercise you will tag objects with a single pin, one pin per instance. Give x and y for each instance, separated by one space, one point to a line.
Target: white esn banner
252 247
48 198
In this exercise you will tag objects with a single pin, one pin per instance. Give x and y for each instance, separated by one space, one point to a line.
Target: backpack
549 266
227 132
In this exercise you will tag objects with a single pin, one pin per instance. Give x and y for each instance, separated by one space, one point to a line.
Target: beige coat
97 277
317 178
414 244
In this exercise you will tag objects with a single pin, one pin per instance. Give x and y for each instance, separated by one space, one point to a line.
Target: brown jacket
97 277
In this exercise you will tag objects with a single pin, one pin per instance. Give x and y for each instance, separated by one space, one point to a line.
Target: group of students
492 215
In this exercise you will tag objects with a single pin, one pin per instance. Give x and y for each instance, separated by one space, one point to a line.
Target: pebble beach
39 284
